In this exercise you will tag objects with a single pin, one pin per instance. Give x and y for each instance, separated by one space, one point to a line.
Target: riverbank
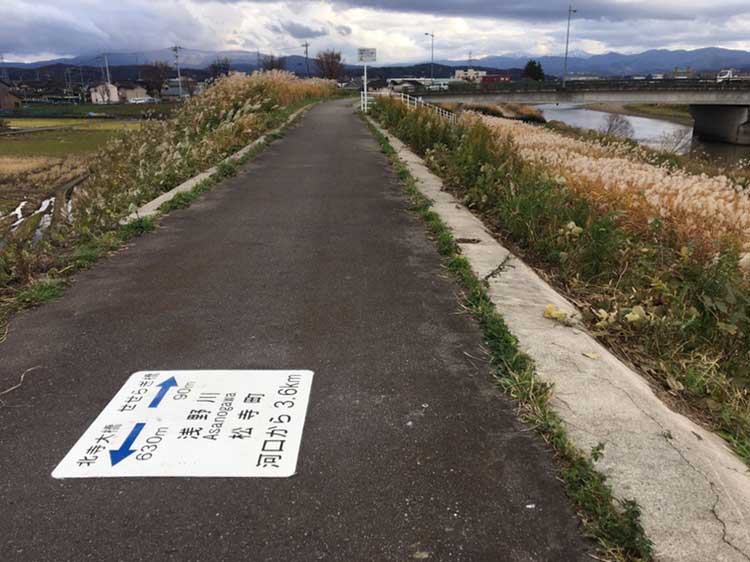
596 255
669 112
662 293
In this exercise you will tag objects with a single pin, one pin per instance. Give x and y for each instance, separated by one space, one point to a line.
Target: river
656 133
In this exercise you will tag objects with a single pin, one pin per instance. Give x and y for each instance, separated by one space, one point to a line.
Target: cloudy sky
39 29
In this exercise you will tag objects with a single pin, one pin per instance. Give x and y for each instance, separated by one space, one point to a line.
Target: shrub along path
307 259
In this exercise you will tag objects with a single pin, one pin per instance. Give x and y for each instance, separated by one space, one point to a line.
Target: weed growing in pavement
614 524
227 169
677 311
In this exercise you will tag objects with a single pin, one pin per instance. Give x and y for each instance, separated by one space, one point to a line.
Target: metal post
367 104
432 58
571 11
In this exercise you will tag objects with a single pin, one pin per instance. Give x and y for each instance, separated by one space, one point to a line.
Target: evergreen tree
533 71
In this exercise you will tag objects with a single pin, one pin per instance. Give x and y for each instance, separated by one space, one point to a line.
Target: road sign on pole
196 424
364 56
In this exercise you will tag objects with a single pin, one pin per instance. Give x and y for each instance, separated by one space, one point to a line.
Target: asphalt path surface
308 259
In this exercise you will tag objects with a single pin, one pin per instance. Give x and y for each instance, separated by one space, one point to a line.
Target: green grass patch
135 228
614 524
39 292
227 169
56 144
673 112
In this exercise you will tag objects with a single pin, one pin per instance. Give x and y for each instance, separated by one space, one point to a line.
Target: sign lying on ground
366 55
196 423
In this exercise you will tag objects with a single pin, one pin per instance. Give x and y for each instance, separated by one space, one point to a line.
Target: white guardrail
365 100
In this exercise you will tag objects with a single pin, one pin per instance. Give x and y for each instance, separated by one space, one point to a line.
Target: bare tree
676 142
154 76
271 62
617 126
330 64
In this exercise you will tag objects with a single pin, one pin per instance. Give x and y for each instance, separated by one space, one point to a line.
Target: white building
104 93
470 75
129 91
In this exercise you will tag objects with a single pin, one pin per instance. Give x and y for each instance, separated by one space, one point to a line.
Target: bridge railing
411 102
573 86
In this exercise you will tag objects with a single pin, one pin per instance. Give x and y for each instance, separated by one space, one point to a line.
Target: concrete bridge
721 111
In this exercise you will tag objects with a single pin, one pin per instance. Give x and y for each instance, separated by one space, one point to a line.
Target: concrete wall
723 123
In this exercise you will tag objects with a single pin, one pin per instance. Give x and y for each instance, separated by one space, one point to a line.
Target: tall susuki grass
706 213
672 299
137 165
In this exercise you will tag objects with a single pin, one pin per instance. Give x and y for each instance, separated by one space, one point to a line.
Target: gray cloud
90 28
551 10
31 27
298 30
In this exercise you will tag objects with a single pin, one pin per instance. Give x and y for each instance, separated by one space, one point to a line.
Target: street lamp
571 11
432 58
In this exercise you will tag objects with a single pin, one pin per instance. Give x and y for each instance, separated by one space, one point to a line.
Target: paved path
308 259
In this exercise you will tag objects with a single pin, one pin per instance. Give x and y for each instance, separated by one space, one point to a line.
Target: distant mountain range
610 64
617 64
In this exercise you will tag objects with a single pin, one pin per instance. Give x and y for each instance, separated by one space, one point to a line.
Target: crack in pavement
19 384
500 268
666 433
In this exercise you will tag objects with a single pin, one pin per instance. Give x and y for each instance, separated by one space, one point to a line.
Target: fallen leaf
554 313
592 355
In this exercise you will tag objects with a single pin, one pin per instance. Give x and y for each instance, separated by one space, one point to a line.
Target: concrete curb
693 491
152 207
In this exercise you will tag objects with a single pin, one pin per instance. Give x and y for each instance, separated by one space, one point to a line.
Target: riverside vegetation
40 241
656 258
614 524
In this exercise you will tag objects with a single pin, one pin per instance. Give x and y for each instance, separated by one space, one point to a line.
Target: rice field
74 123
125 163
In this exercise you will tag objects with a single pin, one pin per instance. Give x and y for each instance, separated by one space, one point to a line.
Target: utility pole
4 75
470 53
260 66
176 50
571 11
306 45
432 56
82 96
106 65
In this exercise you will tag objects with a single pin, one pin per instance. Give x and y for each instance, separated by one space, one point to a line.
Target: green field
128 110
75 141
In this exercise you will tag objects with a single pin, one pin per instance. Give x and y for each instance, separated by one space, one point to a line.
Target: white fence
410 101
